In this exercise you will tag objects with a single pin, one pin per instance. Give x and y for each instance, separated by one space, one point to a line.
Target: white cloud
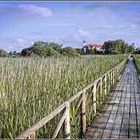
85 35
20 40
102 10
11 47
133 26
23 42
61 24
76 39
26 11
18 44
36 10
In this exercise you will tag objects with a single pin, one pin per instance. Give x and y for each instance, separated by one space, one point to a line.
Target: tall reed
32 87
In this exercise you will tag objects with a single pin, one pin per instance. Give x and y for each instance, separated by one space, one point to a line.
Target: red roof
98 46
94 46
78 49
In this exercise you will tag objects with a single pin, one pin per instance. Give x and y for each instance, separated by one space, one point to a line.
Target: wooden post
110 78
59 125
108 82
83 114
79 102
67 122
105 84
117 72
32 135
119 68
101 91
101 86
94 98
113 77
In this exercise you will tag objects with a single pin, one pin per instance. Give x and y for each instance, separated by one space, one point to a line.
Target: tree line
48 49
45 49
118 47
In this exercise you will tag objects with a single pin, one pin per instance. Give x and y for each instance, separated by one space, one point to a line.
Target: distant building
96 47
78 50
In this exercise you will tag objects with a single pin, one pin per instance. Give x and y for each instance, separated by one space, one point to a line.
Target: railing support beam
67 122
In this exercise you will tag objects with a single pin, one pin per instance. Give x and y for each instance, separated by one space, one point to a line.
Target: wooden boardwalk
120 118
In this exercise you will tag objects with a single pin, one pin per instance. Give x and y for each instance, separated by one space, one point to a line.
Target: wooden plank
67 122
59 125
111 121
133 116
83 114
42 122
137 100
118 120
105 117
94 99
97 129
122 120
123 108
32 135
101 91
105 84
125 118
78 103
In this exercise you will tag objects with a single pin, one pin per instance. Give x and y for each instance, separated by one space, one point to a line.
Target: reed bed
137 62
32 87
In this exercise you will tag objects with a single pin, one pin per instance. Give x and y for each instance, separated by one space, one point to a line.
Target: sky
67 23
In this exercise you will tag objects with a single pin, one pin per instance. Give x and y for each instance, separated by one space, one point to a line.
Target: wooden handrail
42 122
65 107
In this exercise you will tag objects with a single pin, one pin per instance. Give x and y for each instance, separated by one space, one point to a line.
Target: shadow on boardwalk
120 118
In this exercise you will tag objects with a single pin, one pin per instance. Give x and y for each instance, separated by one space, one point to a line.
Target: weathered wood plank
83 114
67 122
111 122
59 125
42 122
105 117
118 120
121 120
94 99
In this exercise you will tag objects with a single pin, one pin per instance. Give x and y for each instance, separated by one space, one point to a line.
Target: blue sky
67 23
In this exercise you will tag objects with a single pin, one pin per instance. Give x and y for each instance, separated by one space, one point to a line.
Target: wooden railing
106 81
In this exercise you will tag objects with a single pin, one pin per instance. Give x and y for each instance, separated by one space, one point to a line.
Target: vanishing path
121 116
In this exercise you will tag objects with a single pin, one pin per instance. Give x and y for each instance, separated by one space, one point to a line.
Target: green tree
55 46
108 46
91 51
68 51
26 52
3 53
40 43
117 47
48 51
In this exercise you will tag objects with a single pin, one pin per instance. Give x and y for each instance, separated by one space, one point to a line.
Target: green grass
137 62
32 87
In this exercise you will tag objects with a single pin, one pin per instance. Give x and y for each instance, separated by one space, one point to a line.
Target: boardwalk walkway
120 118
